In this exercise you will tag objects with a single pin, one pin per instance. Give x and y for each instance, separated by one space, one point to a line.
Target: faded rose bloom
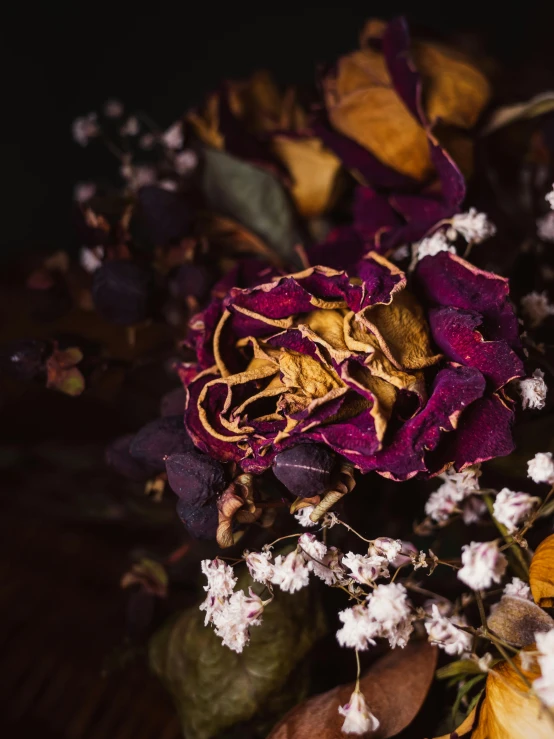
348 361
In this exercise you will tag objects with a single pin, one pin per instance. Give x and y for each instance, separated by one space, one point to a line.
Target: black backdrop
60 63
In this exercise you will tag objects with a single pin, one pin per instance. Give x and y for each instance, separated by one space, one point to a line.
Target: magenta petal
485 432
342 249
404 75
454 389
455 333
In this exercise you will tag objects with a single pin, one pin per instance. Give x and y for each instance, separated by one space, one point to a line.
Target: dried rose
348 362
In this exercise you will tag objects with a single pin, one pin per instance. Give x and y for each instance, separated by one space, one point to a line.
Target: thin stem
358 671
481 606
536 514
369 541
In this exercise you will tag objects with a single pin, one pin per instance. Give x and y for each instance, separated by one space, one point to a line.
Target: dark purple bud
119 457
24 359
123 292
192 280
173 402
165 214
160 439
195 477
305 469
200 521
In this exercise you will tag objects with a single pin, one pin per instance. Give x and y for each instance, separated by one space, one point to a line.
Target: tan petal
541 573
313 169
402 332
302 372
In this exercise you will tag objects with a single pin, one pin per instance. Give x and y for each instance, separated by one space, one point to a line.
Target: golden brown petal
541 573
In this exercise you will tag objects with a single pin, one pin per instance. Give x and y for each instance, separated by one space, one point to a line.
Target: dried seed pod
195 477
305 469
160 439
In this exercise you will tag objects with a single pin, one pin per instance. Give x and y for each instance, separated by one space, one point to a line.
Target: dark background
65 60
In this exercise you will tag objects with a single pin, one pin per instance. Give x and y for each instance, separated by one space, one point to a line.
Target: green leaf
253 197
538 105
464 690
458 669
215 688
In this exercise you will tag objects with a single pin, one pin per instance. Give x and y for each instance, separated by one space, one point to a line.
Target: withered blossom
396 385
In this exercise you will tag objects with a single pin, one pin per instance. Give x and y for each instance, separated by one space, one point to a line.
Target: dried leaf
516 620
405 673
214 687
149 575
541 573
61 372
253 197
538 105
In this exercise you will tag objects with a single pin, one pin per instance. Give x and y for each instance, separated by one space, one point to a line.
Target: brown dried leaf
149 575
61 372
541 573
394 688
517 620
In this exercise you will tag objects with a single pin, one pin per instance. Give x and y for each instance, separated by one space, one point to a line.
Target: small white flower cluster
231 612
445 633
474 226
510 508
550 198
85 128
536 307
541 468
457 487
386 614
483 563
544 685
518 589
432 245
545 227
533 390
358 717
303 516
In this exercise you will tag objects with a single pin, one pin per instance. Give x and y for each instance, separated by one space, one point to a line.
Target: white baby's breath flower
545 227
385 547
445 632
221 577
233 621
443 502
511 508
185 162
329 569
131 127
84 191
475 227
544 685
541 468
147 141
536 308
313 548
291 572
358 717
91 259
466 481
113 108
359 629
533 389
85 128
173 137
365 568
259 566
473 509
518 589
483 564
550 198
303 516
432 245
388 606
401 252
138 176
